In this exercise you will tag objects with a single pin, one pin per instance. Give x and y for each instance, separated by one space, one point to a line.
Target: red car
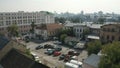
57 53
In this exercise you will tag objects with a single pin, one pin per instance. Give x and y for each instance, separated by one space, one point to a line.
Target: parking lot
50 60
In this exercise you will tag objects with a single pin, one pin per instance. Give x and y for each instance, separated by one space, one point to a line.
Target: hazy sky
75 6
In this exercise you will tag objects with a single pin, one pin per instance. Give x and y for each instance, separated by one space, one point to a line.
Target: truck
76 63
70 65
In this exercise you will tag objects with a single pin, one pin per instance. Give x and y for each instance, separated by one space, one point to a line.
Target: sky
73 6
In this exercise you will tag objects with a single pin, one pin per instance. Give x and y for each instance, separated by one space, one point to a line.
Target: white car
35 56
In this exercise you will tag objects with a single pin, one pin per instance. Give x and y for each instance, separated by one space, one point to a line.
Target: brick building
46 31
110 32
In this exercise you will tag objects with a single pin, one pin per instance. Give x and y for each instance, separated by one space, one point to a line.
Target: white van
76 62
70 65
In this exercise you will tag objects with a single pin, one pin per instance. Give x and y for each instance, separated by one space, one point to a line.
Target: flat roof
93 37
92 60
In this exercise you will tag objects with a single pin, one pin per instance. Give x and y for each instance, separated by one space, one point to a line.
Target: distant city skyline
72 6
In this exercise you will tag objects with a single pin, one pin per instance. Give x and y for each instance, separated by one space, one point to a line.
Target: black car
39 47
58 48
73 53
62 57
48 46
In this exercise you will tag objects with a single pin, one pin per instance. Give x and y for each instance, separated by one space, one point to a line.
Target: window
113 37
102 37
108 37
113 30
108 30
80 35
77 30
80 30
104 29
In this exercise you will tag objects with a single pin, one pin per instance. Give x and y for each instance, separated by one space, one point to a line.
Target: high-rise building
23 19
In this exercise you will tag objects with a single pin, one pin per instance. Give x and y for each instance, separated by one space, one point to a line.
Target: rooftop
95 26
93 37
50 27
3 42
15 59
92 60
89 24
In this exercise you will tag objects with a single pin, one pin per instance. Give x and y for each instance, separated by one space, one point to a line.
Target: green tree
111 56
60 20
85 32
94 47
101 20
13 30
62 37
68 32
32 27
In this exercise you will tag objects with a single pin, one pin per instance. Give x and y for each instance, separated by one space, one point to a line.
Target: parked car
73 53
39 47
48 46
74 58
62 57
76 53
67 58
58 48
35 56
49 51
57 53
57 42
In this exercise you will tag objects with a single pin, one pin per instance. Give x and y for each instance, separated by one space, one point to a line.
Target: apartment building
110 32
23 19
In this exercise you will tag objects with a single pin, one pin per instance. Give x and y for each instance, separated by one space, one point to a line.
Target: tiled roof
50 27
3 42
15 59
92 60
53 26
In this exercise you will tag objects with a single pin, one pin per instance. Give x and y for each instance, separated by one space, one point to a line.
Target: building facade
23 19
94 30
110 32
45 31
79 30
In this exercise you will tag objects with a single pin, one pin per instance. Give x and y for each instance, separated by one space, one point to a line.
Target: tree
32 27
85 32
13 30
60 20
101 20
94 47
68 32
62 37
111 56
